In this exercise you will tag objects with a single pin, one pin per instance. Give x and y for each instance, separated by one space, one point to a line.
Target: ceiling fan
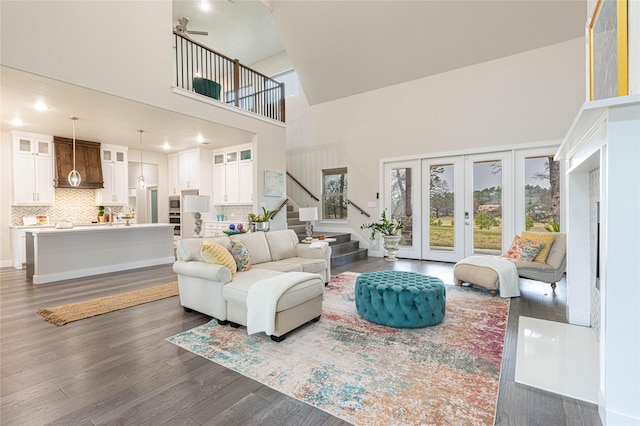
182 27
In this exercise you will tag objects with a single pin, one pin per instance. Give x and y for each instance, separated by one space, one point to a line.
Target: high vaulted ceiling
341 48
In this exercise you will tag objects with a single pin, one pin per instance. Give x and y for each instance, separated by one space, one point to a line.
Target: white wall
529 97
6 177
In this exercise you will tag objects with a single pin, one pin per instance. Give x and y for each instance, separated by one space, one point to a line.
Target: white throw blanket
318 244
508 279
263 296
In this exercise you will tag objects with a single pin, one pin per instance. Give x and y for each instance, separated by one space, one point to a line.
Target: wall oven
174 219
174 203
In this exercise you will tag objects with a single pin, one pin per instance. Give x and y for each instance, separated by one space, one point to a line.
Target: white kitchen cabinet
33 169
195 170
233 176
217 228
115 174
245 182
174 176
219 188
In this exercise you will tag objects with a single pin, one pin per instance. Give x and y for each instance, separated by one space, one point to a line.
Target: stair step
349 257
343 250
340 248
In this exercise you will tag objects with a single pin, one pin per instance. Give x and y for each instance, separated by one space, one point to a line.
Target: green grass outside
442 236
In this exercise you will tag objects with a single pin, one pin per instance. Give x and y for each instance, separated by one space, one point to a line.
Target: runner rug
63 314
368 374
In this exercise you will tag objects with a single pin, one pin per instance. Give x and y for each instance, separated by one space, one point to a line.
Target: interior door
402 200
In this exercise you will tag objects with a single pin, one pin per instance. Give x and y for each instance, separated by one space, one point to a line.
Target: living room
519 101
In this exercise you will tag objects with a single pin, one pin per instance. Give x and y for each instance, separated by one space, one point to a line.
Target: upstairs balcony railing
209 73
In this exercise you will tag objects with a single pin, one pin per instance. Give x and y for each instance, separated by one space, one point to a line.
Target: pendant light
74 177
141 181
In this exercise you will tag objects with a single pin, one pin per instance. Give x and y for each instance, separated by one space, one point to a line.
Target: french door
467 205
402 200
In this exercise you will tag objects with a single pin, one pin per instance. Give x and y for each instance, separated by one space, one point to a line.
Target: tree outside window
334 193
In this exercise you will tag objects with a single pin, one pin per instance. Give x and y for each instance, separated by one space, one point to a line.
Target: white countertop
96 227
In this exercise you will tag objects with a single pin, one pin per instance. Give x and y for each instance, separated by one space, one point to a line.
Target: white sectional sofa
210 288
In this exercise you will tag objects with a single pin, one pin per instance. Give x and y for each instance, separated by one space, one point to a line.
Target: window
542 193
245 98
290 80
334 193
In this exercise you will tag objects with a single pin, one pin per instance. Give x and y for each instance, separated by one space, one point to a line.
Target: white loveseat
210 288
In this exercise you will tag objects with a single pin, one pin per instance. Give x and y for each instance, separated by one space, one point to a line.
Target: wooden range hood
88 163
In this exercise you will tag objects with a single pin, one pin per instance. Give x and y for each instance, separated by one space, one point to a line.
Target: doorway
468 204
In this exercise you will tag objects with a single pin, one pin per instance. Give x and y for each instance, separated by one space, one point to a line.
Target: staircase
343 250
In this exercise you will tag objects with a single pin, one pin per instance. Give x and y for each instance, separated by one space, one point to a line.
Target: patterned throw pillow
240 254
524 249
546 238
215 253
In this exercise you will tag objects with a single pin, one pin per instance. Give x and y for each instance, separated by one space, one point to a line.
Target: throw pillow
524 249
546 238
214 253
240 254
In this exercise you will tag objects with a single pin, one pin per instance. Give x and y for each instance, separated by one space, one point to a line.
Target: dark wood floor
118 369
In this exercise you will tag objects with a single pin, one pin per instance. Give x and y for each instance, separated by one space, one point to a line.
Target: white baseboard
579 318
6 263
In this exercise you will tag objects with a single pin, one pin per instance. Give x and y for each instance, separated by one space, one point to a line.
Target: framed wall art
608 54
273 183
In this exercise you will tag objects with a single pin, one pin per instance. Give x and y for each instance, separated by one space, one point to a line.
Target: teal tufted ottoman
400 299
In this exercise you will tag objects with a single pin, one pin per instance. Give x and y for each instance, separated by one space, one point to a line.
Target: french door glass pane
441 207
401 203
487 207
542 193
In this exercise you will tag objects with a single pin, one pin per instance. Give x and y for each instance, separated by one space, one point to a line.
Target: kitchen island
62 254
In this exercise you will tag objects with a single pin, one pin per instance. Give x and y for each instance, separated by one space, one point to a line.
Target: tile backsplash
76 205
234 212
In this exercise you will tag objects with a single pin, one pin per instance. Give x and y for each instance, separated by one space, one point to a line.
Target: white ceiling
242 30
104 118
339 48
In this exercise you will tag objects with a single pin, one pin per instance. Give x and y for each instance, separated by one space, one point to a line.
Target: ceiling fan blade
204 33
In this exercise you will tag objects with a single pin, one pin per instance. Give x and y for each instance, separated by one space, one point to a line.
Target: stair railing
303 187
358 208
284 203
226 80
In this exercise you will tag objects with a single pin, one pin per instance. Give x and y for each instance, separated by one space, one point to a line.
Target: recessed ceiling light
199 139
166 146
17 122
40 106
205 6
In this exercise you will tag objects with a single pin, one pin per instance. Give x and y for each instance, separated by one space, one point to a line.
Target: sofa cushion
281 266
256 244
545 237
241 255
189 250
310 265
282 244
213 252
236 291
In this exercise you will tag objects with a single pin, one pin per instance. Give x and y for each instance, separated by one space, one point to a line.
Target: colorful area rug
368 374
63 314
